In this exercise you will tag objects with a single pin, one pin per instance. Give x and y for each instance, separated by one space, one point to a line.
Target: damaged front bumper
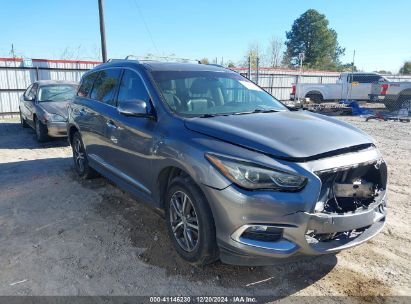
260 227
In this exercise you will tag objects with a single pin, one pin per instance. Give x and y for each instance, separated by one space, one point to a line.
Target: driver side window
32 93
132 88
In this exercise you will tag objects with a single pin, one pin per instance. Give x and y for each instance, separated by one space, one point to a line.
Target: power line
146 26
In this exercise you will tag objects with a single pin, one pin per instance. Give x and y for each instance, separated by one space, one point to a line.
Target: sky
378 30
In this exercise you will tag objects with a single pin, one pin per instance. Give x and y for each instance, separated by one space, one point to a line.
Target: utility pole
249 67
13 53
349 93
301 57
102 30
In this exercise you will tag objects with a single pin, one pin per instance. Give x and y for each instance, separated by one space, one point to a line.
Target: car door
92 108
360 85
23 100
131 138
29 108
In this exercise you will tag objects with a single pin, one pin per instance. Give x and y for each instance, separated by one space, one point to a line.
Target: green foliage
311 35
253 52
231 64
347 67
383 72
406 68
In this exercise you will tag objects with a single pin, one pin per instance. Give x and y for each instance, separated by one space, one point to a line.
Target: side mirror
28 98
134 107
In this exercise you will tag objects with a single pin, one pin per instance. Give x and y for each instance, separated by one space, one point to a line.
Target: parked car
238 176
43 106
355 86
394 95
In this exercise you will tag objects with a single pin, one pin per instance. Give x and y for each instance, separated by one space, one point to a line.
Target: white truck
394 95
354 86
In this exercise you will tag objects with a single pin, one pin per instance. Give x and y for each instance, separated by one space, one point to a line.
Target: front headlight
253 176
55 117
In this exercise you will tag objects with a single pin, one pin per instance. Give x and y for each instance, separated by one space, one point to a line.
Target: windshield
202 93
56 93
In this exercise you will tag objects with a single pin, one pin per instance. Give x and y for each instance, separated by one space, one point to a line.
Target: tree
205 61
311 35
274 52
347 67
383 72
406 68
253 52
231 64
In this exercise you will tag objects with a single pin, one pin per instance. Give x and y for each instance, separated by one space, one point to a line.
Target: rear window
105 86
87 84
364 78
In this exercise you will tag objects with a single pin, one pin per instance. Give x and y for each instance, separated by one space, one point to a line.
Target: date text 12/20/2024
204 299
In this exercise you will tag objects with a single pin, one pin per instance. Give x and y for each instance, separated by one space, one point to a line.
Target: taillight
293 89
384 88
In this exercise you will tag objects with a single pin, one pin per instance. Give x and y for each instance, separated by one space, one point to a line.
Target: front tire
23 122
41 131
190 222
80 159
402 102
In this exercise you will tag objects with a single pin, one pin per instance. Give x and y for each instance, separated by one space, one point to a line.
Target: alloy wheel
184 221
79 154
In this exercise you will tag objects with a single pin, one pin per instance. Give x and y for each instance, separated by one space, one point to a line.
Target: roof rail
131 57
216 65
161 58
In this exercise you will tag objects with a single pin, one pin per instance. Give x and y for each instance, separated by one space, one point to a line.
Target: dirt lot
60 236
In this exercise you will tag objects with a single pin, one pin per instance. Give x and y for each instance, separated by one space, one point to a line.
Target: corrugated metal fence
278 82
16 76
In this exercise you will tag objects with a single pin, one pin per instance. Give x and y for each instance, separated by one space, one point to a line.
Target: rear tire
316 97
195 245
41 131
23 121
80 159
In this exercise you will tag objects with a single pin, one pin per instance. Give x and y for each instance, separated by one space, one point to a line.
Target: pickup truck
394 95
355 86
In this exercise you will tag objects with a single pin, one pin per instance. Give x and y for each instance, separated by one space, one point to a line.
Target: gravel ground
62 236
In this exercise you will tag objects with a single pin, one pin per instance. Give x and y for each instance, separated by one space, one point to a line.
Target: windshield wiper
256 111
207 115
57 94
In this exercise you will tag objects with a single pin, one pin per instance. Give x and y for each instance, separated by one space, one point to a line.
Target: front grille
313 237
372 177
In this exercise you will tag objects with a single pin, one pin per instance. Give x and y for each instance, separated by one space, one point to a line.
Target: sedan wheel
41 131
23 121
184 221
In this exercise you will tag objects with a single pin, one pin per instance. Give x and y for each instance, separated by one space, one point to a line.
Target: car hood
57 107
291 135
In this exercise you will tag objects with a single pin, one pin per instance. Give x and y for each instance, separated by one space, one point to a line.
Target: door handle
82 111
111 124
114 139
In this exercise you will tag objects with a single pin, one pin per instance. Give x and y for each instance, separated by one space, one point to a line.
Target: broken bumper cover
349 229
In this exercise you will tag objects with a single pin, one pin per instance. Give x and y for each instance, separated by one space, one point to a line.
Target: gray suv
238 176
